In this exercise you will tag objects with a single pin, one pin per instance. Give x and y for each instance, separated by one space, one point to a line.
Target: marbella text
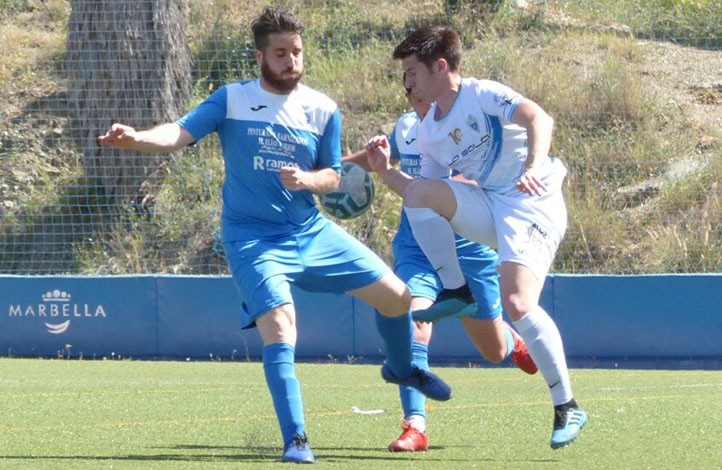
55 310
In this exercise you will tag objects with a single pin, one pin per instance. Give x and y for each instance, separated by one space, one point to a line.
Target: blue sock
413 402
278 365
509 339
397 333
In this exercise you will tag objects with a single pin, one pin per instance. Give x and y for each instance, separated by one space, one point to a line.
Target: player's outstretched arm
162 138
378 155
360 158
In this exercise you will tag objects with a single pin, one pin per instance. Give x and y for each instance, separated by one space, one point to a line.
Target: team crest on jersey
472 122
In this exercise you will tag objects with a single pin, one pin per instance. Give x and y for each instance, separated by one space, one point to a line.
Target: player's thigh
336 262
389 295
432 193
473 219
529 230
262 273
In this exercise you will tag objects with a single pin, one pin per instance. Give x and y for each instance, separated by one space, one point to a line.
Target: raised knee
419 193
394 305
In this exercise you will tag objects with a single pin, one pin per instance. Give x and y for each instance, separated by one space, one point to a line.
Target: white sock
544 343
437 239
417 422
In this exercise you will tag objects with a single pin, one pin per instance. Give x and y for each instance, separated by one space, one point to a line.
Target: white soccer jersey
476 137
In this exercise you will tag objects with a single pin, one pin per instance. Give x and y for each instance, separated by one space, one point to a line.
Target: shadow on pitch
208 453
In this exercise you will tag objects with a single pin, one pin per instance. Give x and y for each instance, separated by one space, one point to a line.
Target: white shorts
524 229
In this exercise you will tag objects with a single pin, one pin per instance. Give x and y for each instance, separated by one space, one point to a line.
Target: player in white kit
500 140
483 323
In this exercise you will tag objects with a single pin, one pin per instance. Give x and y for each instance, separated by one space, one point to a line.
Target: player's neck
445 101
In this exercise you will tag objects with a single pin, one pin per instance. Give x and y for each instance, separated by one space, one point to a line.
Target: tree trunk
128 61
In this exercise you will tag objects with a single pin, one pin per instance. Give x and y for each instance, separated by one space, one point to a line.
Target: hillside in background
635 89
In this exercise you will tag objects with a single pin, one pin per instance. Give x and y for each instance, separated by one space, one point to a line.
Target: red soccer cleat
410 440
520 355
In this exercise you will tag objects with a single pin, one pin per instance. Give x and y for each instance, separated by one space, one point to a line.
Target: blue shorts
478 263
321 257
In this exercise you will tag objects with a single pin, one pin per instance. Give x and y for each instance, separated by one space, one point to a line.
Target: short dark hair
274 20
431 43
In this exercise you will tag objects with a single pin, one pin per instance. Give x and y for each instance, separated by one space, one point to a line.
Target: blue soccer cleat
298 450
568 422
449 303
422 380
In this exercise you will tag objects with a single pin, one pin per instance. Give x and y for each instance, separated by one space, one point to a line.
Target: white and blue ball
354 195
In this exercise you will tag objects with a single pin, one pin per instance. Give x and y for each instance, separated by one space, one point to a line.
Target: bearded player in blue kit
483 323
500 140
281 144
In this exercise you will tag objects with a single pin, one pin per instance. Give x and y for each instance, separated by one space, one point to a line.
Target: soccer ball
354 195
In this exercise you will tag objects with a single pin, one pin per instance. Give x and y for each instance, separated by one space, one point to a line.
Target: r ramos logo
57 309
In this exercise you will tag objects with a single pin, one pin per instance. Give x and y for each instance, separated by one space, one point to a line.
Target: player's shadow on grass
328 454
207 453
273 454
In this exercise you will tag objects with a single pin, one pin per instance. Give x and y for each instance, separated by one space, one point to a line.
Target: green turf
142 414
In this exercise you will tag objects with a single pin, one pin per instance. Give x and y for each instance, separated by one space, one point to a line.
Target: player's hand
530 184
294 178
378 151
119 136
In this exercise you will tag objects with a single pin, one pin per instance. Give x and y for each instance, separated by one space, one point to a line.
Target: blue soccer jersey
260 133
404 146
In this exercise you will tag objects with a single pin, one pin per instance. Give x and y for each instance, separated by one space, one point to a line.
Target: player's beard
277 80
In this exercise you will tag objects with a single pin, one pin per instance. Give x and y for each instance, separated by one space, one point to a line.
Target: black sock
565 406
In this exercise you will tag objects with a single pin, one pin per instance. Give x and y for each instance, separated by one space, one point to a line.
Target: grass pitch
145 414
